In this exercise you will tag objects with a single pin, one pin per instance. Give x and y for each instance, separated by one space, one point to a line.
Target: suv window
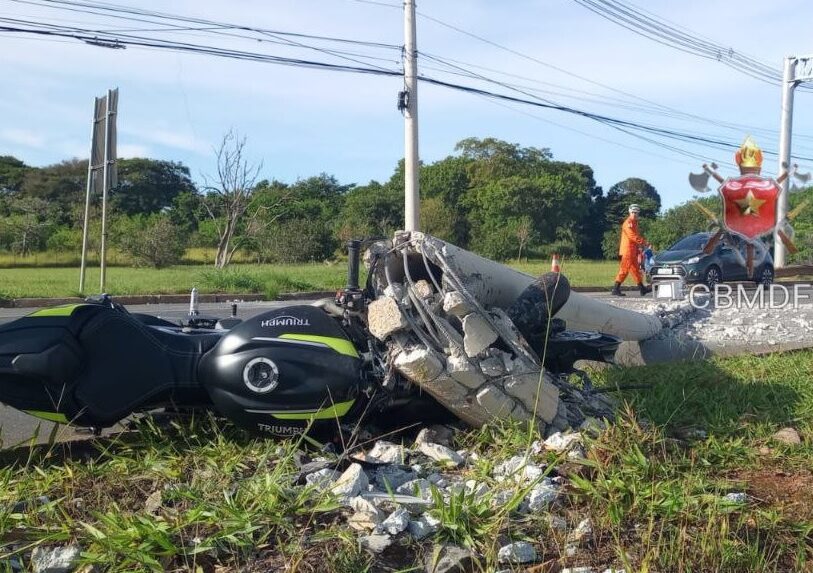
690 243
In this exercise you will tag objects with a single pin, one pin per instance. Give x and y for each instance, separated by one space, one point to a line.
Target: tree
25 229
523 231
187 211
371 210
624 193
680 221
61 185
549 201
149 185
12 173
229 199
493 158
437 219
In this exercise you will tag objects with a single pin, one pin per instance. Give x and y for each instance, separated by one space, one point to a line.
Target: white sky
301 122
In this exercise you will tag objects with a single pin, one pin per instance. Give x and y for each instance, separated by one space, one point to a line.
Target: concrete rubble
443 314
723 330
517 552
55 559
392 504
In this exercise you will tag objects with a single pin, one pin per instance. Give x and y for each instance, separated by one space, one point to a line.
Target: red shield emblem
749 205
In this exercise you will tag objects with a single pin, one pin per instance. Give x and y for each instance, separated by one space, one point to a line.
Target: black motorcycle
92 364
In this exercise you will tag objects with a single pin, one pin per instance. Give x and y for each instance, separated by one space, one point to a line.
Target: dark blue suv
726 263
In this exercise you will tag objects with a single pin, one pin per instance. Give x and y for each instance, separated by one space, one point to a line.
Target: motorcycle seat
96 364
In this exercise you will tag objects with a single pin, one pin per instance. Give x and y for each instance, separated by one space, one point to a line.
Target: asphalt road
17 427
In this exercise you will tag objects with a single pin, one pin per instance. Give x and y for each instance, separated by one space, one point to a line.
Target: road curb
285 296
664 350
169 298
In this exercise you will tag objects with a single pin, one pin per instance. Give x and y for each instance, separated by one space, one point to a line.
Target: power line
617 103
629 127
128 13
220 27
648 25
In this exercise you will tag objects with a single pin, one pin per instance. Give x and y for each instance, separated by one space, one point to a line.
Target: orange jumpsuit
630 241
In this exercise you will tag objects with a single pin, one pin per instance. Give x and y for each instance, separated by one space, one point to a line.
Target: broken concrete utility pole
454 324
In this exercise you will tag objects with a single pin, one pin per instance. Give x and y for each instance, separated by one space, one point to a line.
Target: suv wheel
765 276
712 276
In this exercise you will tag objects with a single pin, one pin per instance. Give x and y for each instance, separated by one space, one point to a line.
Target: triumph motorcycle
282 372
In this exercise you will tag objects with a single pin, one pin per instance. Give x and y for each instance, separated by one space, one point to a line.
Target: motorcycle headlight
692 260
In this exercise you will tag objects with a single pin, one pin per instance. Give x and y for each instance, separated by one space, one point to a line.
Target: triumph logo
285 320
281 430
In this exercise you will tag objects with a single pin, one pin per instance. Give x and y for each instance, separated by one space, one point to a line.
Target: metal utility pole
101 173
105 186
408 102
791 77
88 192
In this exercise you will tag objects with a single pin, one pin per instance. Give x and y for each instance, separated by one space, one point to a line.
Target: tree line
500 199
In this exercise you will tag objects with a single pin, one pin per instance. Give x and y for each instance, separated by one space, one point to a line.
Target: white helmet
634 208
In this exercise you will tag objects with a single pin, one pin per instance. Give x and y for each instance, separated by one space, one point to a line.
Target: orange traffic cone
554 263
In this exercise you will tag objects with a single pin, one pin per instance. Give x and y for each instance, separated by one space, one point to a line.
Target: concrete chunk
384 452
441 453
494 365
464 371
323 478
455 304
424 526
560 442
471 412
477 334
397 521
446 390
375 543
419 365
55 559
352 482
384 318
495 402
517 552
423 289
389 478
537 394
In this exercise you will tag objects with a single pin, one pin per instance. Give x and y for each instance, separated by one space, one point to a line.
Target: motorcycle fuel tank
283 370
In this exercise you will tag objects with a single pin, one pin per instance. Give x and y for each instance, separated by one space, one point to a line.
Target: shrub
65 240
295 241
157 242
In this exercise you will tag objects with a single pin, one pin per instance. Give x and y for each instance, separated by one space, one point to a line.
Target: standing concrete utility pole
409 105
791 77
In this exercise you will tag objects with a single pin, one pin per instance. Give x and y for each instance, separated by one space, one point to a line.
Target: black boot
617 290
645 290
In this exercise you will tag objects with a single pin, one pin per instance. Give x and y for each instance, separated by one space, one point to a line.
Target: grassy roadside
205 498
248 278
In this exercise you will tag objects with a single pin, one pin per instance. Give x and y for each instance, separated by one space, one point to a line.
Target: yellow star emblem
749 205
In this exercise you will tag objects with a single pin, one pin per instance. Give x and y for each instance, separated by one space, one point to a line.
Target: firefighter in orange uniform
631 242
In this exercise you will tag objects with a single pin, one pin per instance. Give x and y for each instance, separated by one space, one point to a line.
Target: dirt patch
789 492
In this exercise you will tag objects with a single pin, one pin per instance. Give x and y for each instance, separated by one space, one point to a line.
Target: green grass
266 279
238 278
655 496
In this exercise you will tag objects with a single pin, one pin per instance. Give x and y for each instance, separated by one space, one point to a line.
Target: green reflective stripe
61 310
50 416
335 411
340 345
